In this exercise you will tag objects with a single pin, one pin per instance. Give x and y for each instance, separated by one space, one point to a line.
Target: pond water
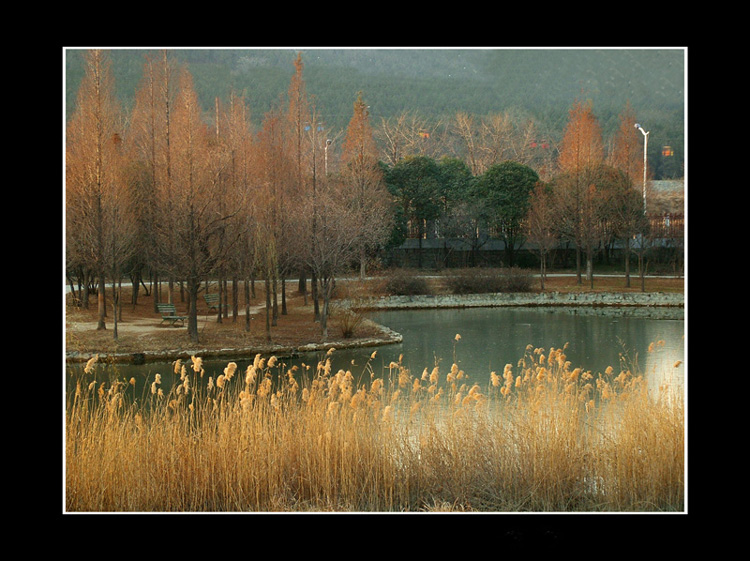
493 337
490 339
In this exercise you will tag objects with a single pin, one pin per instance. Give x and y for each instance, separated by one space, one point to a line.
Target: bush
403 283
474 281
517 280
486 281
349 321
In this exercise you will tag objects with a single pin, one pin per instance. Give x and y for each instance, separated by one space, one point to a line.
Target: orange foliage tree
234 135
149 167
367 194
93 177
581 152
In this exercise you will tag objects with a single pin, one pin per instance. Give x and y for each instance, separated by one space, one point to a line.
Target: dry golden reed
541 436
90 364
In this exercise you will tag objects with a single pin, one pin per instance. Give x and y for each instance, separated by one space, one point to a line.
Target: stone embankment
648 299
385 336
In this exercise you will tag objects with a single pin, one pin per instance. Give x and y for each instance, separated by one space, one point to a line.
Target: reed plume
541 436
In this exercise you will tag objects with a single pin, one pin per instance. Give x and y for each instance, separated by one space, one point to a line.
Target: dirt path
145 326
143 336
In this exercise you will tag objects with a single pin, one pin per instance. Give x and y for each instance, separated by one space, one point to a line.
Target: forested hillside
436 83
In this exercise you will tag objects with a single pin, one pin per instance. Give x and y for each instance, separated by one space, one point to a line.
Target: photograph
374 280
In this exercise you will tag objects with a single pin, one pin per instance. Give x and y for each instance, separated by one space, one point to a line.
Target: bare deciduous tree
147 145
333 247
93 172
541 227
409 134
199 216
276 174
235 135
466 129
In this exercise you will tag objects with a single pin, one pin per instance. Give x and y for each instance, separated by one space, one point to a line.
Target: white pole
645 161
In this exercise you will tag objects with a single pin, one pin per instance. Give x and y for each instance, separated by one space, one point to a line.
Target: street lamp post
328 143
645 161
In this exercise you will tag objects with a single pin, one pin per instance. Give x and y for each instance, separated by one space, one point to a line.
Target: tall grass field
540 436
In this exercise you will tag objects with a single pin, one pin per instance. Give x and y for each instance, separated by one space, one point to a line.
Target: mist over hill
436 82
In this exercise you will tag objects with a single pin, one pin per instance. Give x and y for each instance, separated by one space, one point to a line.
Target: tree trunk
268 309
542 270
510 251
218 302
102 309
247 305
193 285
135 283
225 309
316 304
642 267
627 263
119 296
156 291
327 289
115 310
235 299
72 288
275 287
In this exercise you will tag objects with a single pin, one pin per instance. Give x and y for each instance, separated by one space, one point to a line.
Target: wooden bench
213 301
169 313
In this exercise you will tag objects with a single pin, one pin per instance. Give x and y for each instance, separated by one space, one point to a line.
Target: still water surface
490 339
493 337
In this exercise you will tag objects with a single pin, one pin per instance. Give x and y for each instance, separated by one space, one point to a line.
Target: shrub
517 280
403 283
349 321
485 281
474 281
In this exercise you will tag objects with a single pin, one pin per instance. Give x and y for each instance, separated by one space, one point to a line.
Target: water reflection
490 339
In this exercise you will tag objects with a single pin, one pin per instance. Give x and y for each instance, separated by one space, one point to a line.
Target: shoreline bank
621 299
386 336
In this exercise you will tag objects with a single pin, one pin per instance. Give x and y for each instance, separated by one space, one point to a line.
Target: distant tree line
516 185
438 83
